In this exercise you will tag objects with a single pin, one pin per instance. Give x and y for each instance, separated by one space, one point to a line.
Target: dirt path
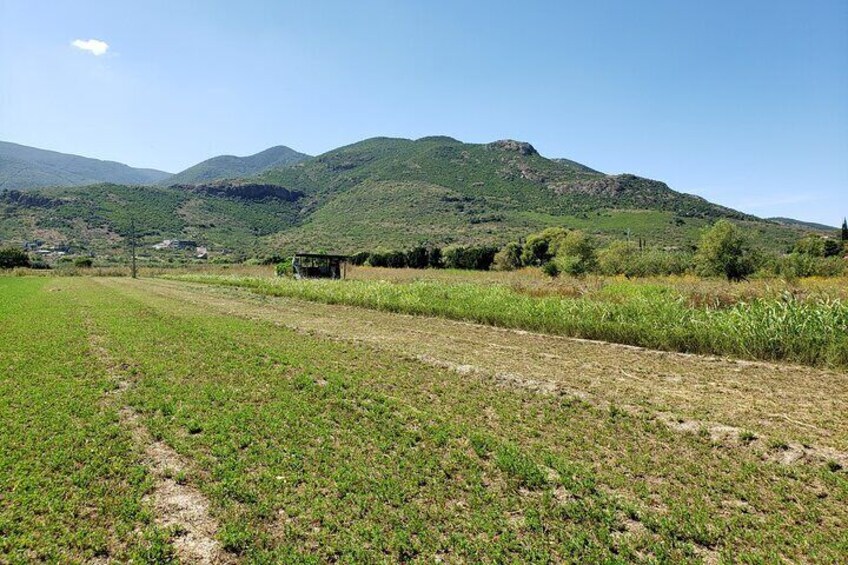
175 504
802 408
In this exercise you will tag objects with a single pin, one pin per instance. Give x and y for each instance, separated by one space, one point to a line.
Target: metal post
132 246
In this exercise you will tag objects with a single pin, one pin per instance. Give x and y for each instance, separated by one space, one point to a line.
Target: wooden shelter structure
319 266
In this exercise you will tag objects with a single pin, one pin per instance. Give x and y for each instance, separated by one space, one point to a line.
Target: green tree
416 258
11 257
574 253
508 258
434 257
818 246
845 230
617 258
832 247
724 250
476 258
537 249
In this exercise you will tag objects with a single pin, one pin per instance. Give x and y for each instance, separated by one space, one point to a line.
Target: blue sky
743 102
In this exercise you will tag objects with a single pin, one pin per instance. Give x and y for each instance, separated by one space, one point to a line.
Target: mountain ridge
228 167
380 192
25 167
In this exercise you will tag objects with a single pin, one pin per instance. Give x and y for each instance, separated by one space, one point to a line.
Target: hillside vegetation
378 193
225 167
24 167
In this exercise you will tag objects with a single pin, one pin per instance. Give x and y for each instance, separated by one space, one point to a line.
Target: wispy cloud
93 46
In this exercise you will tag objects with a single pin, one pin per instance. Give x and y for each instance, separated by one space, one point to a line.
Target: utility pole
132 247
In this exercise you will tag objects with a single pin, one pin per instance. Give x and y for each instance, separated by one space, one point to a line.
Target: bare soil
175 504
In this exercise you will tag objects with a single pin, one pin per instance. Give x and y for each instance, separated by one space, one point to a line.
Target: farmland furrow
806 409
176 505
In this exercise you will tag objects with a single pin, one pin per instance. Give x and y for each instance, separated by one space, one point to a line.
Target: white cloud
94 46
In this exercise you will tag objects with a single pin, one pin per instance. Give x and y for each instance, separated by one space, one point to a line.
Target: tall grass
812 331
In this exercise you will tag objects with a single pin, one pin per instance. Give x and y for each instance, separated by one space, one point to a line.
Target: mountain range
23 167
377 193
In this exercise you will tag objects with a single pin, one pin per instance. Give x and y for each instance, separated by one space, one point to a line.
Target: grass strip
813 331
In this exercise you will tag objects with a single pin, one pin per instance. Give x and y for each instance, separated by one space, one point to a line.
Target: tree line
724 249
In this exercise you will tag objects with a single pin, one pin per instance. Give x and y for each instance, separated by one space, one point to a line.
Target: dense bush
417 258
625 258
359 258
284 268
434 257
724 250
472 258
537 250
799 265
818 246
11 257
393 259
83 262
574 253
508 258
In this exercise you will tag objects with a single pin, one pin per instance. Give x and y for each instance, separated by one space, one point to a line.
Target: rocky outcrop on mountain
28 199
244 191
520 147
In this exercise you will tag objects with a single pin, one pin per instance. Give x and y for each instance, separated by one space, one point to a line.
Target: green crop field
151 421
813 330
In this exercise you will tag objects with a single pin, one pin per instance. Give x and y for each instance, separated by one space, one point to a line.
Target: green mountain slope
378 193
97 217
802 224
23 167
232 167
390 192
505 175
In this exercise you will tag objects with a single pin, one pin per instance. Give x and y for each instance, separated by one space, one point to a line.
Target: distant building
175 244
319 266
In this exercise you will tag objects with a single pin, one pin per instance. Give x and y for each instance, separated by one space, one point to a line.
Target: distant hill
225 167
23 167
799 223
378 193
394 192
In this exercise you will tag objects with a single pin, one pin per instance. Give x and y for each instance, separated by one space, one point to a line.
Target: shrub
271 260
617 258
537 249
11 257
359 258
284 268
417 257
832 247
574 253
39 265
396 259
625 258
723 250
83 262
377 259
508 258
551 269
434 257
472 258
799 265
